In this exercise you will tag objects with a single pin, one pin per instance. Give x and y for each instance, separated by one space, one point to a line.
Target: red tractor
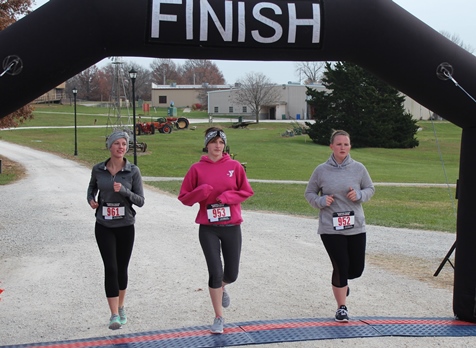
162 125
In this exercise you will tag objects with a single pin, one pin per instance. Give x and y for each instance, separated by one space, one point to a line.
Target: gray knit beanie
117 135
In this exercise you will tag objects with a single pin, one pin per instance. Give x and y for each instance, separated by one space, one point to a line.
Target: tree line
95 84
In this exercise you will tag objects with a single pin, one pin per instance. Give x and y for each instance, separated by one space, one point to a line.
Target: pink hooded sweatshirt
206 182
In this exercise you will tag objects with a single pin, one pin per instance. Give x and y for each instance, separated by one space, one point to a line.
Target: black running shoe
342 315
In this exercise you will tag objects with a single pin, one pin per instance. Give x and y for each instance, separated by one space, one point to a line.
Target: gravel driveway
52 275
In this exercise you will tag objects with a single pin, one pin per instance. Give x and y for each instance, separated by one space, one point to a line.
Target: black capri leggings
229 238
115 246
347 254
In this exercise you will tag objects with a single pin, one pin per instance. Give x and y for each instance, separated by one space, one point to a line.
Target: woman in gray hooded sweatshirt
338 188
115 185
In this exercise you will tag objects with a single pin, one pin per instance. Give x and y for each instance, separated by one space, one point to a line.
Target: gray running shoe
122 315
115 322
225 301
217 327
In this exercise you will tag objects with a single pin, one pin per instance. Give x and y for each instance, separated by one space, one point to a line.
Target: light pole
133 76
75 91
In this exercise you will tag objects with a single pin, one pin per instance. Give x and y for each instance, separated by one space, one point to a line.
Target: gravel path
52 273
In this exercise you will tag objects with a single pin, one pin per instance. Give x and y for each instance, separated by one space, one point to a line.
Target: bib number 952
343 220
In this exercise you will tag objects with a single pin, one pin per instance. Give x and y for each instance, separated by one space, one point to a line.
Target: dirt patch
416 268
11 171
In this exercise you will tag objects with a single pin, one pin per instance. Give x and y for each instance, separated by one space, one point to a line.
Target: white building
291 104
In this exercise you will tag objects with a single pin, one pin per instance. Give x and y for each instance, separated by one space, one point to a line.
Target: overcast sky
453 16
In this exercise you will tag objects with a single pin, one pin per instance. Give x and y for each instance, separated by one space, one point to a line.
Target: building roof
175 86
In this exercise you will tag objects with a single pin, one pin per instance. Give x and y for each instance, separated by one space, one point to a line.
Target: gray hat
117 135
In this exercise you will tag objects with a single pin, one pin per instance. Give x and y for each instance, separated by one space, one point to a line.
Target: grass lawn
269 155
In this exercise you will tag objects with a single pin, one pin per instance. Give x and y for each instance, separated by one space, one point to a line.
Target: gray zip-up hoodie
115 208
331 178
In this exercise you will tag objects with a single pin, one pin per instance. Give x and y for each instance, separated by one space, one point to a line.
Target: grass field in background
56 115
269 155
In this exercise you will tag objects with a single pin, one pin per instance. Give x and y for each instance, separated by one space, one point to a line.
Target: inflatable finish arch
64 37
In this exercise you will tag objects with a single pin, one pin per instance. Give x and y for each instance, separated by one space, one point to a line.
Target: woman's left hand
117 186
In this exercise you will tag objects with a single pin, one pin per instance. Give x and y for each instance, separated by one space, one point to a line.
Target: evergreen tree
363 105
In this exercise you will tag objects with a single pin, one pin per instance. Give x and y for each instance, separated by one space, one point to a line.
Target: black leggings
347 254
229 238
115 246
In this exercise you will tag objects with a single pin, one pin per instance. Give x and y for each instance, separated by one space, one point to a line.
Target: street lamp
133 76
75 91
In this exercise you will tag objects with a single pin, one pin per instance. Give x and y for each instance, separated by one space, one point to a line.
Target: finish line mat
274 331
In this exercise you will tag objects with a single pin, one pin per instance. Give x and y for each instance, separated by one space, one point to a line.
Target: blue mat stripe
274 331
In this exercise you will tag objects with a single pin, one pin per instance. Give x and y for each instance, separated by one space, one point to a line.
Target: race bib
218 212
343 221
113 211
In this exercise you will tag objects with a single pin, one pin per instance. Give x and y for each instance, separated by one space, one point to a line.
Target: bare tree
256 90
457 40
200 71
309 71
164 71
143 84
87 83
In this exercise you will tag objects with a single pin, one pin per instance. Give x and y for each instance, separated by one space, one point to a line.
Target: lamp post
133 76
75 92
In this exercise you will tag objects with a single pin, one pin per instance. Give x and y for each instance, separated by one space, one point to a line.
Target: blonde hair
338 132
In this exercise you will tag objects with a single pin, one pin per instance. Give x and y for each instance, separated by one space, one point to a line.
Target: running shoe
217 327
122 315
225 300
342 314
115 322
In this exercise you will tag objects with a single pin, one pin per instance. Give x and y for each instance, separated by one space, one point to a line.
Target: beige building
182 95
52 96
418 111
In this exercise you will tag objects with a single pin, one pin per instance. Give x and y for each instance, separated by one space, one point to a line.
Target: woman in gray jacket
115 186
338 188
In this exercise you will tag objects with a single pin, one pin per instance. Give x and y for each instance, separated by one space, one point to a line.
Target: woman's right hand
329 200
93 204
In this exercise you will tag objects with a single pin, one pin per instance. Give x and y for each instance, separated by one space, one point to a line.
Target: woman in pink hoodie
219 184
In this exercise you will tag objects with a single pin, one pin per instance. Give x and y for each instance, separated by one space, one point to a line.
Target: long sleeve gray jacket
331 178
115 208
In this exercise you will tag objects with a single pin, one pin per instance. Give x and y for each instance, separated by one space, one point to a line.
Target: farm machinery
162 125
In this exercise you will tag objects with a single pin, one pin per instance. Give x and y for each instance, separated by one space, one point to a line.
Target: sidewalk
155 178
